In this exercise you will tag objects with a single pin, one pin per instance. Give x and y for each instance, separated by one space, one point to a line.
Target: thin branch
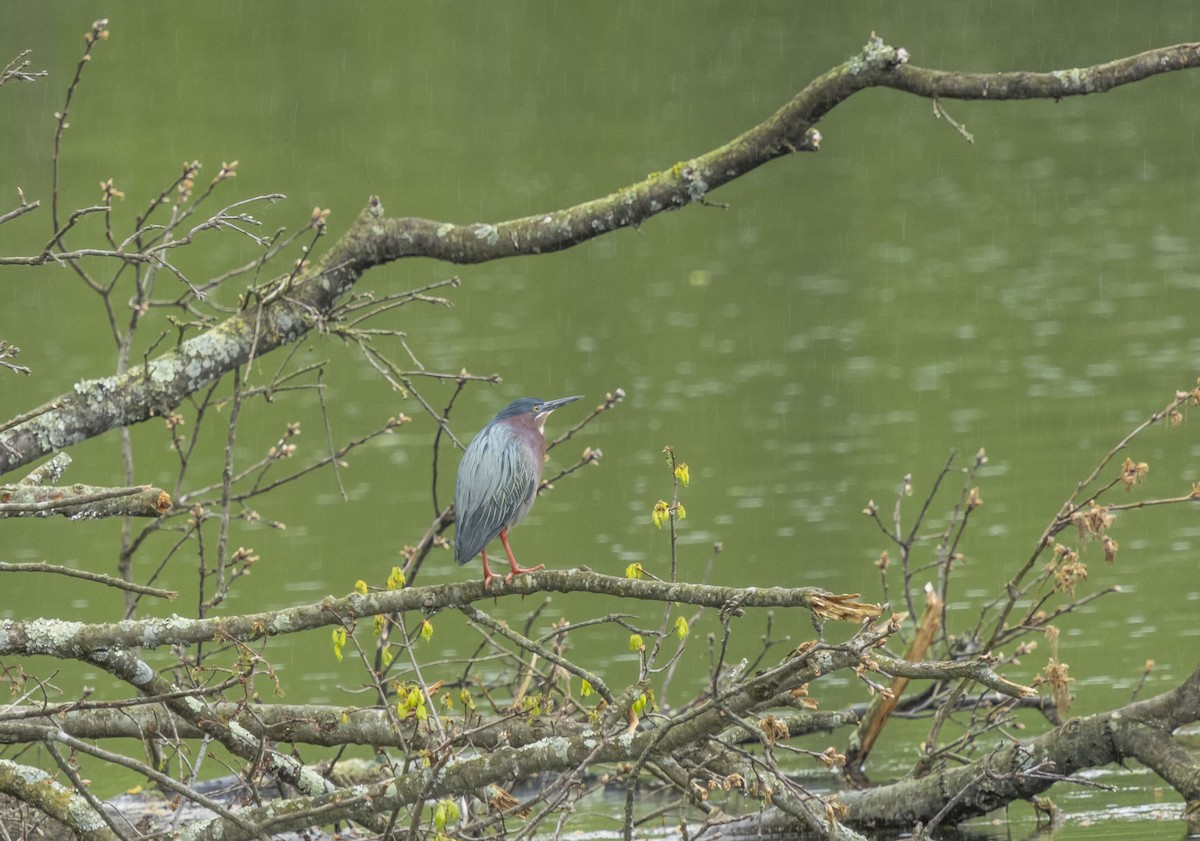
99 32
17 69
482 618
94 577
21 209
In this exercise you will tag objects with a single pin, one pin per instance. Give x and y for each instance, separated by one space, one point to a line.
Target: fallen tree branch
1008 773
553 753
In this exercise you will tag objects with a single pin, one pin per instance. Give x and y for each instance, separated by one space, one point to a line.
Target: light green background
851 317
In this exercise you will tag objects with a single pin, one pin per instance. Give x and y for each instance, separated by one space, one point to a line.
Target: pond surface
851 317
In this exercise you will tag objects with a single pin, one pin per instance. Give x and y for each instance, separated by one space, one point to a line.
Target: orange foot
516 570
512 562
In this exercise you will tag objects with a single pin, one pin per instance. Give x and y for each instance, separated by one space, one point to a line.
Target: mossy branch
93 407
36 787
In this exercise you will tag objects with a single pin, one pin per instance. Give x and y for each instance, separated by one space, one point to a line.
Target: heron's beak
550 405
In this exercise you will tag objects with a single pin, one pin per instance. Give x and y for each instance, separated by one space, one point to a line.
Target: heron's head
531 411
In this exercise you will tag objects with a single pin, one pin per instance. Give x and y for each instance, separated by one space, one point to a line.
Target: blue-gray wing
496 485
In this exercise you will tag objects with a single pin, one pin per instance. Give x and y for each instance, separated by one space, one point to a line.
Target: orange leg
487 573
512 563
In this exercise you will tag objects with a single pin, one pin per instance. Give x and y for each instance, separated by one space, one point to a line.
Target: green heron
498 480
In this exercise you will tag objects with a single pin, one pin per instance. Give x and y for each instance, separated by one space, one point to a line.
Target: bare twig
99 32
18 69
94 577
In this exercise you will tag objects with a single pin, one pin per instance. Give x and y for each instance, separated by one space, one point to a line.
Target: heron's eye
536 408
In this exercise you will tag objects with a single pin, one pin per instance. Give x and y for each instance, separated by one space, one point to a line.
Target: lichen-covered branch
126 666
39 789
976 670
1055 84
285 313
59 638
306 724
93 407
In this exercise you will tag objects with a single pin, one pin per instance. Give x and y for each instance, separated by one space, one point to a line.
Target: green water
852 316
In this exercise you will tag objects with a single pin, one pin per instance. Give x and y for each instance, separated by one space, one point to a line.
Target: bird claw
516 570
